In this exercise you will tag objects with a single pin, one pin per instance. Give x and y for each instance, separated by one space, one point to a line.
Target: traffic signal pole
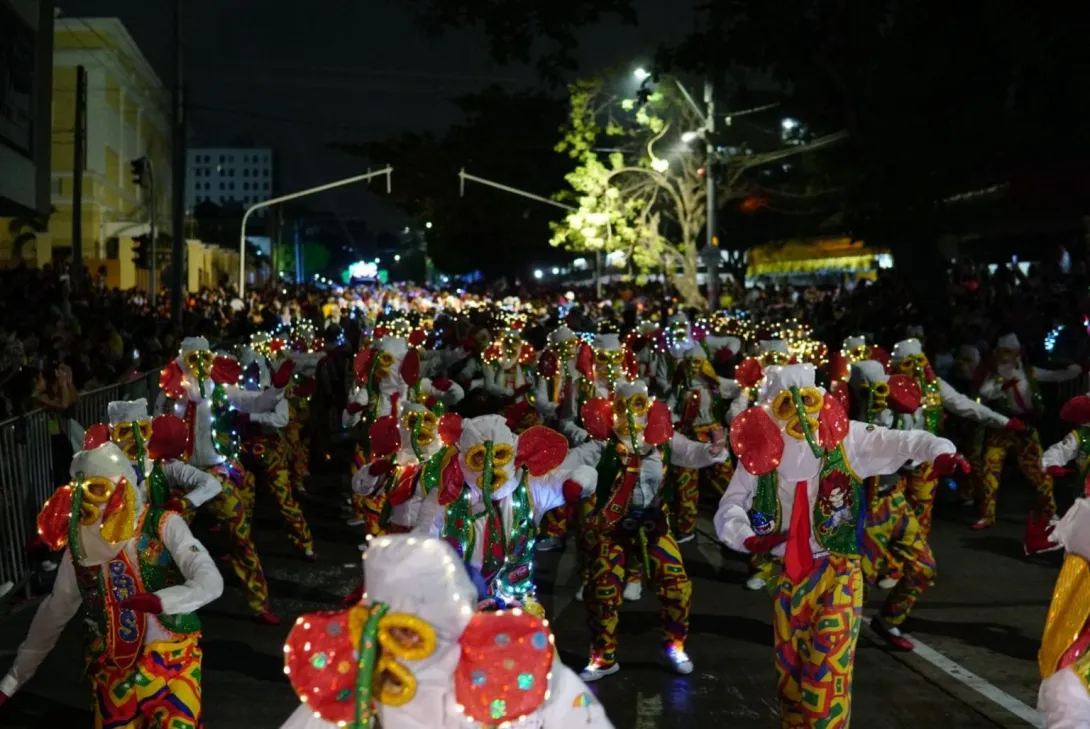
78 164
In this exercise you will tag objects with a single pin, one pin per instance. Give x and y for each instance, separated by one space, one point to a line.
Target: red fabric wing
833 423
598 418
170 381
451 479
905 395
541 450
748 373
549 364
362 365
450 428
584 361
54 518
1076 410
410 368
169 438
503 674
660 425
417 338
318 661
757 441
839 390
385 437
95 436
838 366
226 371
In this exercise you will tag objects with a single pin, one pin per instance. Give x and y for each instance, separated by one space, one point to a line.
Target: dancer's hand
950 463
179 506
761 545
354 408
718 443
145 602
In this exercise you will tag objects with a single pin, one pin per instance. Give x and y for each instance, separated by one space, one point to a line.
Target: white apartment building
243 175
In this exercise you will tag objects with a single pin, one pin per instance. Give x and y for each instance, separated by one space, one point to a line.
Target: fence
26 469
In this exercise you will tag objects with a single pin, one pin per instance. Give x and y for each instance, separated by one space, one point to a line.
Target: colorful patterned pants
765 566
162 691
268 455
298 443
718 476
229 508
606 588
920 487
686 499
894 545
558 522
588 544
816 625
1027 449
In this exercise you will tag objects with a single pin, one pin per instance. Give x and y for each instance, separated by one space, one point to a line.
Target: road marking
648 711
978 684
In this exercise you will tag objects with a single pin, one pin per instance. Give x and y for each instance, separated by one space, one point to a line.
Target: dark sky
299 75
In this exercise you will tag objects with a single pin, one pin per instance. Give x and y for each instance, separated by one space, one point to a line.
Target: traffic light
139 171
141 251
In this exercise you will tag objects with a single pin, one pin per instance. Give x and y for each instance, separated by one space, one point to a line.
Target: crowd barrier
26 469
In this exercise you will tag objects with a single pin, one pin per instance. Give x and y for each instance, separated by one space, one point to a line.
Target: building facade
127 117
230 175
26 60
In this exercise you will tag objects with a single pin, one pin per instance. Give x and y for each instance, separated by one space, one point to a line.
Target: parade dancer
1073 449
800 466
1011 387
139 575
266 453
699 401
200 389
632 443
1064 658
938 396
154 448
509 364
421 656
494 495
895 552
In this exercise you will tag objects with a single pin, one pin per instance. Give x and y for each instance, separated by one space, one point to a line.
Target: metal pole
709 176
153 275
78 163
598 274
177 222
388 171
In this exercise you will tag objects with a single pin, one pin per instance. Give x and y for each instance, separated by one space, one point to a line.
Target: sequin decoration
503 639
333 629
498 708
344 695
509 664
319 660
526 681
479 678
583 700
344 667
540 641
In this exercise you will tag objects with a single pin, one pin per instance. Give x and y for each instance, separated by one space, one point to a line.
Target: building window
197 172
221 186
208 186
222 159
266 172
245 173
266 186
207 159
256 174
231 172
246 200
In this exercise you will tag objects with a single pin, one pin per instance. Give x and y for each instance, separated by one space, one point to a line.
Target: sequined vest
116 637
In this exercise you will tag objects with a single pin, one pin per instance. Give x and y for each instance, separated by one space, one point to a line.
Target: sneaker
633 591
981 524
310 556
755 583
687 538
356 521
888 583
596 670
892 635
550 544
579 597
678 659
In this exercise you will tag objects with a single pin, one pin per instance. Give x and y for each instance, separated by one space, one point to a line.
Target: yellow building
128 117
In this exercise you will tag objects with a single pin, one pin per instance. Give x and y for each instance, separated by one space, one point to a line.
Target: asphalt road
978 628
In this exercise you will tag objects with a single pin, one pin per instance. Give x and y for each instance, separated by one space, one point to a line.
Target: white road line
978 684
648 711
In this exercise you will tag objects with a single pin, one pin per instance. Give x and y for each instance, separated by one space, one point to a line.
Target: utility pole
711 250
153 264
78 163
177 191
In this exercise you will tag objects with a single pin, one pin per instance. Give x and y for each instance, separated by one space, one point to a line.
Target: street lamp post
711 249
388 171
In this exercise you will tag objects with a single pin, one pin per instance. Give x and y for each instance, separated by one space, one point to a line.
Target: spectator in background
55 392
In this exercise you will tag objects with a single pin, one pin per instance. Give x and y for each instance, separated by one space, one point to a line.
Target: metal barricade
26 481
26 469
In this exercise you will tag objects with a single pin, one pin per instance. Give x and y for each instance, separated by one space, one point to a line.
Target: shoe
267 618
48 566
687 538
550 544
310 555
756 583
596 670
982 524
888 583
579 597
892 635
633 591
678 659
356 521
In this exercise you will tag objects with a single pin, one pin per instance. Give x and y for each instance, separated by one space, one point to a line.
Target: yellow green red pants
686 483
816 625
268 455
1027 450
605 593
298 446
230 509
558 522
587 546
894 546
162 691
920 487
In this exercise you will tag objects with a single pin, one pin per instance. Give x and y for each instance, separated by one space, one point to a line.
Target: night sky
298 75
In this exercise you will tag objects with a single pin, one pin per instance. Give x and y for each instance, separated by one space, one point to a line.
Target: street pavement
979 630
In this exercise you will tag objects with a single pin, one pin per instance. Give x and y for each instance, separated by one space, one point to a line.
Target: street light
538 274
641 74
376 261
690 137
555 270
397 257
789 124
428 225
